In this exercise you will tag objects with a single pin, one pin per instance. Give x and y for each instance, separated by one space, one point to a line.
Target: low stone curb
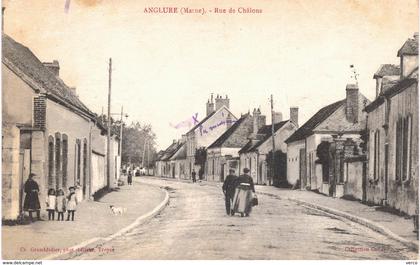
99 241
362 221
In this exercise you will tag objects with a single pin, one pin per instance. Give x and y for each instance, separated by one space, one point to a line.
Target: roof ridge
21 57
314 121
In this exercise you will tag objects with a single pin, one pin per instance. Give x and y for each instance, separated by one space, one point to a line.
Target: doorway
386 173
24 170
302 168
222 173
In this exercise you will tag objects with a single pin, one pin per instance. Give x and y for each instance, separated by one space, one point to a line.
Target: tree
138 143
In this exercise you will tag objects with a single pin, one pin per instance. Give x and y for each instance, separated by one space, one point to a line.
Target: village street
194 226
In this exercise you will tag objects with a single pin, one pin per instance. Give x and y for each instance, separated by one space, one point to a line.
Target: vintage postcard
210 130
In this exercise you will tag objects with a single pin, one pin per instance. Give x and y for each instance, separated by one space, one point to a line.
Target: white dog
117 210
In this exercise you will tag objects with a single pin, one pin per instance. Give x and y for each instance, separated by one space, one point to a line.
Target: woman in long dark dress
244 189
31 202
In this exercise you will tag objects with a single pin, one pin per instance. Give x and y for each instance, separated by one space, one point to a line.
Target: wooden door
302 168
386 172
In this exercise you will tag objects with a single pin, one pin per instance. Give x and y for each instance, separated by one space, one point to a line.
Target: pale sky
166 65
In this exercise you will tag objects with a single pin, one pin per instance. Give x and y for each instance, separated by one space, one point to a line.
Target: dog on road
117 210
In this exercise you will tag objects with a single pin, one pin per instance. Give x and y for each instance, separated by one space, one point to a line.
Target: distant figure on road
229 191
130 177
244 188
31 202
193 176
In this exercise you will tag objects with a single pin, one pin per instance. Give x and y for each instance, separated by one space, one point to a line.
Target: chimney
352 103
209 106
229 121
53 67
73 89
277 117
256 121
378 86
261 121
294 115
220 102
416 36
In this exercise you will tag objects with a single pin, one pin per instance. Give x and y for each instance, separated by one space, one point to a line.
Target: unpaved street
194 226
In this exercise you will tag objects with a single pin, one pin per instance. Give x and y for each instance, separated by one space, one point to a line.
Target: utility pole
121 132
274 144
108 149
144 150
148 155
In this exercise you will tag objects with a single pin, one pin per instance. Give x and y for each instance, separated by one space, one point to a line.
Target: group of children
58 202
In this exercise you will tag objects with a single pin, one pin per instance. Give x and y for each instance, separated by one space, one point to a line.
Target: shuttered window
65 158
376 155
403 147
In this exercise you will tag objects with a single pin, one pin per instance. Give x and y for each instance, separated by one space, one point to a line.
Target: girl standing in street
60 204
71 204
50 201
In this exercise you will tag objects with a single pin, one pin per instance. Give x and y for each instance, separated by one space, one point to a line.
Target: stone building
393 136
344 118
222 153
218 119
165 167
46 130
254 154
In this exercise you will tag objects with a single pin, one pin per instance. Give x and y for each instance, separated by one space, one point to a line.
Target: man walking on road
229 190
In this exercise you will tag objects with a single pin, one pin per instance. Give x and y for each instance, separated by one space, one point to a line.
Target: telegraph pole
108 149
144 151
272 137
148 152
121 131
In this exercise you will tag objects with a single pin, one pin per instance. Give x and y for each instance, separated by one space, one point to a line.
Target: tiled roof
170 151
23 59
263 134
159 155
266 132
410 47
306 129
387 84
221 140
396 89
387 69
180 153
